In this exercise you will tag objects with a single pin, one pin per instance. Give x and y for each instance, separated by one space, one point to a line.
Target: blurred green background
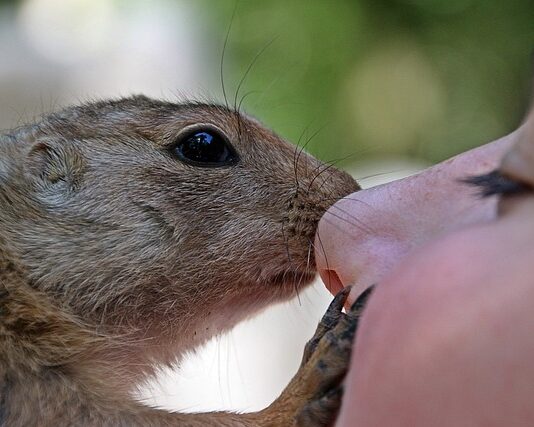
422 79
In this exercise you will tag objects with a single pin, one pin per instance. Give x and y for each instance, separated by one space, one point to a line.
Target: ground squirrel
132 231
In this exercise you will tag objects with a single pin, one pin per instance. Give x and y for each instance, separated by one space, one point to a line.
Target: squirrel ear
54 164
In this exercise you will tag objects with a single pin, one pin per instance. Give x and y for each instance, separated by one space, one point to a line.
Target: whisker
297 286
335 199
355 225
326 168
377 174
324 181
249 68
238 113
286 241
328 285
353 217
326 165
340 159
308 140
329 165
296 156
224 51
310 247
295 159
337 226
267 89
246 95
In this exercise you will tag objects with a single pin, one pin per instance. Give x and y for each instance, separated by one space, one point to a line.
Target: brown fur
116 258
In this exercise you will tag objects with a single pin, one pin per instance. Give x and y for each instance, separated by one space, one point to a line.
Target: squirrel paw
328 355
313 396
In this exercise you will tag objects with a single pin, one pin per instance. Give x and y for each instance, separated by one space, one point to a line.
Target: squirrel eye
205 147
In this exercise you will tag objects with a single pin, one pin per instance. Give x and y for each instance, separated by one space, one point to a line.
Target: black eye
205 147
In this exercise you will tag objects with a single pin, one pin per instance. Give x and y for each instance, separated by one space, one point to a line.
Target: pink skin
370 231
446 339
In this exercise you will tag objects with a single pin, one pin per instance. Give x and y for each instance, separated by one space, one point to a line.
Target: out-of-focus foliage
361 78
424 78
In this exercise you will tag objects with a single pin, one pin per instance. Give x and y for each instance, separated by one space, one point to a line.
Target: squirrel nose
364 235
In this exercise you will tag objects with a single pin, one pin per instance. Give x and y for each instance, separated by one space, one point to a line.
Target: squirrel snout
314 196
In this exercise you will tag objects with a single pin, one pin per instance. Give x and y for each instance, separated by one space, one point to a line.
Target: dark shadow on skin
497 184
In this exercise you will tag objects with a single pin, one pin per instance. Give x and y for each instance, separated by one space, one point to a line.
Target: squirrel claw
313 396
